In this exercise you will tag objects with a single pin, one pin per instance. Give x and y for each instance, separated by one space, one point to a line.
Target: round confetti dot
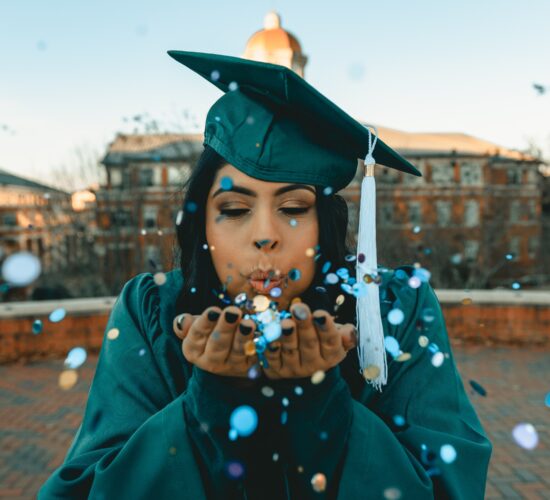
172 450
215 75
295 300
310 252
331 278
272 331
159 278
437 359
260 302
37 326
414 282
233 86
516 286
67 379
404 356
75 358
143 232
327 191
193 290
275 457
226 183
21 268
391 345
267 391
285 402
416 229
319 482
509 256
361 258
340 299
142 352
57 315
466 301
244 420
233 434
275 292
326 267
447 453
547 400
234 470
284 417
428 315
113 333
526 436
254 371
423 341
456 258
422 274
179 217
399 420
371 372
392 494
294 274
191 207
299 391
396 316
350 258
323 435
293 222
318 377
478 388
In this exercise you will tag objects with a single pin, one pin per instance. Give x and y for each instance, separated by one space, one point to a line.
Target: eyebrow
249 192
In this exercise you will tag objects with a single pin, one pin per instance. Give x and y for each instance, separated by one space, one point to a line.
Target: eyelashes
235 213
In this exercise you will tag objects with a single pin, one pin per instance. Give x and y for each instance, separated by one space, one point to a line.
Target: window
152 255
533 247
471 249
442 174
150 214
532 209
471 213
116 177
122 218
470 174
413 180
515 211
414 209
386 214
515 246
9 219
514 175
443 211
146 177
386 176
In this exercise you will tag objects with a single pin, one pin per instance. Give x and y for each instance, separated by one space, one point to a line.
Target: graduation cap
273 125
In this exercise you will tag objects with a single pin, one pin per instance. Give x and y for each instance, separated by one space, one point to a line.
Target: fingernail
231 317
179 321
273 348
245 330
213 315
300 313
287 331
320 320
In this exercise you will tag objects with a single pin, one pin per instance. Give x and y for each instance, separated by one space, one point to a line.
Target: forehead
241 179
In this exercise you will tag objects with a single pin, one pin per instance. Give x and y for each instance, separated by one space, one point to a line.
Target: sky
72 71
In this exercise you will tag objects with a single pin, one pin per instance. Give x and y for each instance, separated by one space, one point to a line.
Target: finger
308 340
220 343
182 323
195 340
330 338
272 353
289 353
348 332
243 334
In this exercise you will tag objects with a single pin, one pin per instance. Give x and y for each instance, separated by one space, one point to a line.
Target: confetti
159 278
215 75
233 86
371 372
226 183
250 348
399 420
319 482
331 279
391 345
478 388
57 315
172 450
547 400
327 191
267 391
396 316
261 303
392 493
447 453
526 436
318 377
113 333
244 420
298 390
437 359
310 252
75 358
37 326
404 356
275 292
21 268
294 274
234 470
67 379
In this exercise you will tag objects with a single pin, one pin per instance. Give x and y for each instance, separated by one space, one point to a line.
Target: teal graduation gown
156 427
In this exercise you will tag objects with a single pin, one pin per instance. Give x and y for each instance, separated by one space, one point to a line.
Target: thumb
182 323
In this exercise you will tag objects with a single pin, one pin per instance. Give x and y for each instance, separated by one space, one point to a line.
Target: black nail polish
213 315
273 348
231 317
320 320
287 331
245 330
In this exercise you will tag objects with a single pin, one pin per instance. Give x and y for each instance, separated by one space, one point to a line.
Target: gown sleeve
133 441
420 437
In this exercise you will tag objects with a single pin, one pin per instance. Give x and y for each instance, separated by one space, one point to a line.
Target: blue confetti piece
244 420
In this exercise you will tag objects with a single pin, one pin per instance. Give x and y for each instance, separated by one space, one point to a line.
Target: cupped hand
309 343
214 341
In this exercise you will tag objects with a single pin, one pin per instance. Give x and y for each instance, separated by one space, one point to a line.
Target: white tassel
372 356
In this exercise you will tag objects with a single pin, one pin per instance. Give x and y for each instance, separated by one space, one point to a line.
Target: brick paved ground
38 420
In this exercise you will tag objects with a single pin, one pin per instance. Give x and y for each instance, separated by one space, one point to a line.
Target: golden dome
272 37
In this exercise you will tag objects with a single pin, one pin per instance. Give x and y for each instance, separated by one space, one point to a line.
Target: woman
185 404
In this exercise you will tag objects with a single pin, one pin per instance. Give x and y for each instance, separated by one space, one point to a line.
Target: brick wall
475 317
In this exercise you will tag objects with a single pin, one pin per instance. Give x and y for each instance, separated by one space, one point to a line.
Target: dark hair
201 284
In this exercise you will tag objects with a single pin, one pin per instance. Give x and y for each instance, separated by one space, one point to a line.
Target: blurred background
100 128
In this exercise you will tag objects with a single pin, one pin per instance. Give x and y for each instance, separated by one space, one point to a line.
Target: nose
267 243
264 230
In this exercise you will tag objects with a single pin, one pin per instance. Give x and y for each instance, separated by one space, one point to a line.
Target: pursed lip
260 285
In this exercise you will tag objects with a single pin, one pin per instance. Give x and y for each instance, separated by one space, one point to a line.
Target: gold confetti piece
318 377
295 300
340 300
392 493
466 301
371 372
113 333
404 356
172 450
319 482
250 348
261 303
423 341
310 252
67 379
159 278
300 469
